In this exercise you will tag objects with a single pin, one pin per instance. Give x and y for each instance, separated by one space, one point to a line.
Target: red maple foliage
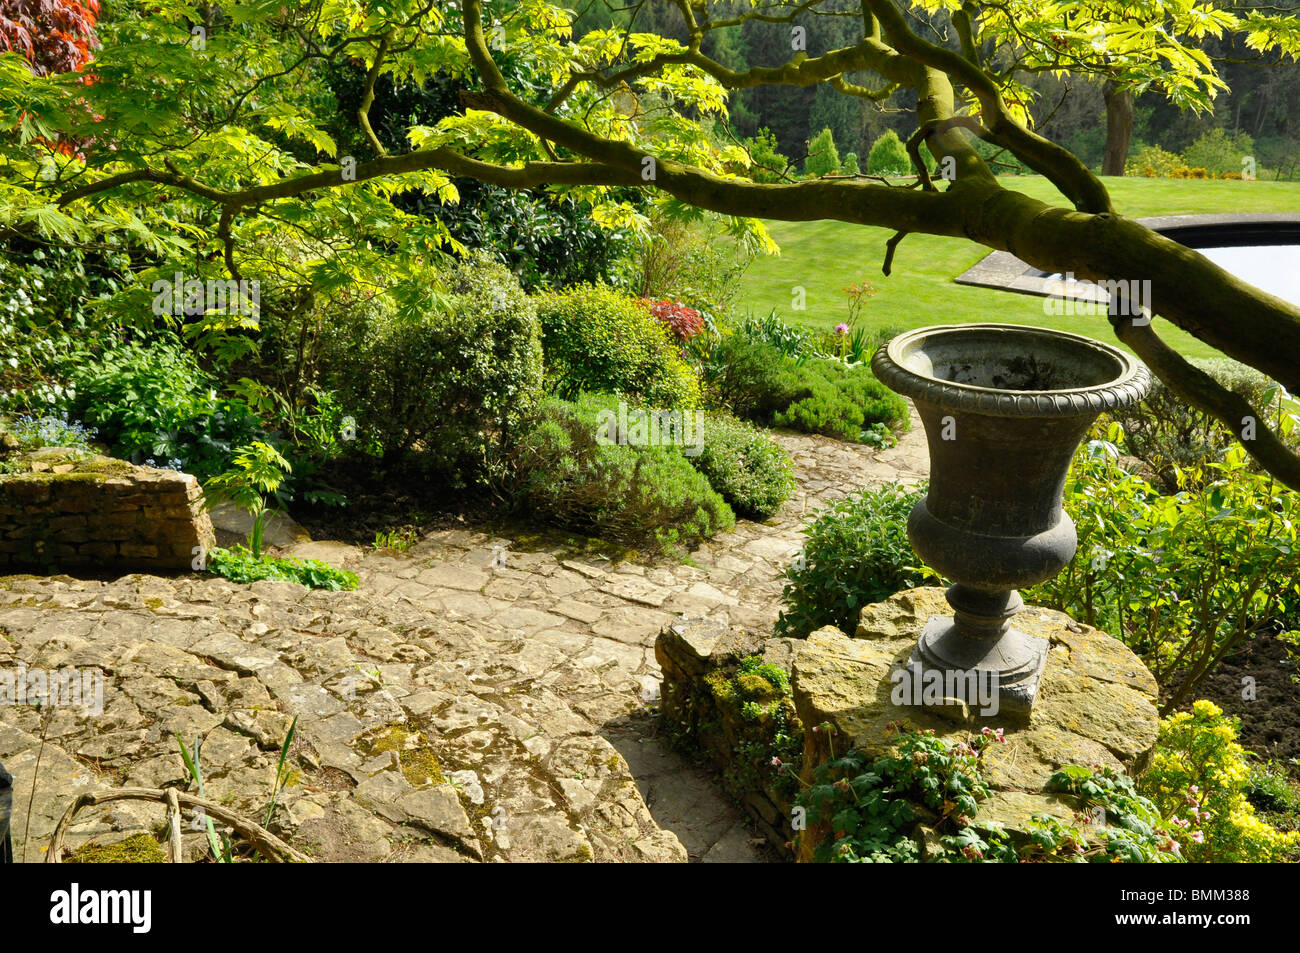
685 322
54 36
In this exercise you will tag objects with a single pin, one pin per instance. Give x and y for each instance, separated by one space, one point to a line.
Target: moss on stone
137 849
420 765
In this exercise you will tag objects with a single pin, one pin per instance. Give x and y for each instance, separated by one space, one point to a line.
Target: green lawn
825 257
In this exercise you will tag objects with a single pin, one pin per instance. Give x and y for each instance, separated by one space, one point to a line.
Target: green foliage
756 381
768 165
921 802
46 319
1218 152
871 808
575 474
457 382
598 339
153 400
1131 829
857 553
1199 777
823 157
888 156
238 564
839 400
693 258
1184 578
257 474
790 340
851 166
398 541
752 472
1168 435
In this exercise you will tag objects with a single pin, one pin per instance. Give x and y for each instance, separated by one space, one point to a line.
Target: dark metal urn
1004 407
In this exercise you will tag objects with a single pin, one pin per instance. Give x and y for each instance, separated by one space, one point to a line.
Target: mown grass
826 257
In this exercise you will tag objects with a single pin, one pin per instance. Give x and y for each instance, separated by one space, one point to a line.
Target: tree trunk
1119 127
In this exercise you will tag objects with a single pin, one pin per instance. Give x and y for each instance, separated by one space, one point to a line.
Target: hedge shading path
469 701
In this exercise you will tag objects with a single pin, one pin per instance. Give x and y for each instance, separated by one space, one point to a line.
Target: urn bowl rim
1098 377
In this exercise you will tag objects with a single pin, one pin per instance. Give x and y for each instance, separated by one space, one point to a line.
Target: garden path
523 678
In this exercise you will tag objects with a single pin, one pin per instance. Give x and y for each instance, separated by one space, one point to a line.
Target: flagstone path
470 700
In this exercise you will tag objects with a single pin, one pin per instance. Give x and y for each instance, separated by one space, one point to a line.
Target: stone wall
1096 705
735 721
65 509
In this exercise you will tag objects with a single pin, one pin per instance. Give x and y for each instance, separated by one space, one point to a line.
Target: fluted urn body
1005 407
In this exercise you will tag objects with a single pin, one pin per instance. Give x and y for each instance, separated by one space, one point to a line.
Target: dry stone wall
66 509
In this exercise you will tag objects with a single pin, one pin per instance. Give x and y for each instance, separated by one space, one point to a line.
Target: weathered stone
1078 718
75 509
438 810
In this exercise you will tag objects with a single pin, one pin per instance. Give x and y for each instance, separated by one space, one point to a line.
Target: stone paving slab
470 701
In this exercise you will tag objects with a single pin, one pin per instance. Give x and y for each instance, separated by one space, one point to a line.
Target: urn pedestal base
992 676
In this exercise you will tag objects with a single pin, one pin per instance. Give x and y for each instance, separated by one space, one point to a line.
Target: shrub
700 261
1167 434
753 473
238 564
756 381
597 339
153 400
1152 161
851 166
575 473
1218 152
1199 778
888 155
839 400
459 383
857 553
749 377
682 321
1184 578
47 316
823 157
769 165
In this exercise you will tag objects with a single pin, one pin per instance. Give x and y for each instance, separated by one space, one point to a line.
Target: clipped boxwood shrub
458 384
755 380
572 475
749 377
751 471
857 553
840 400
598 339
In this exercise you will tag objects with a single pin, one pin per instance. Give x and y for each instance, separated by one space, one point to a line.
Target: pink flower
1198 837
841 329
